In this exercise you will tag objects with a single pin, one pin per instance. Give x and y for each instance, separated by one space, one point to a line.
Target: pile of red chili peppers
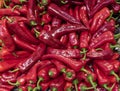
59 45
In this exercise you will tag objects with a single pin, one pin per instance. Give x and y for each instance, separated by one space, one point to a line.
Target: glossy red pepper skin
115 56
84 39
116 87
56 22
99 19
69 53
29 62
39 65
18 1
45 85
76 13
6 86
4 89
69 75
73 39
68 86
115 64
53 72
46 18
8 64
64 39
23 10
47 27
57 84
84 16
104 65
26 31
102 78
104 38
101 5
54 9
75 65
8 12
116 8
46 38
24 45
6 37
67 28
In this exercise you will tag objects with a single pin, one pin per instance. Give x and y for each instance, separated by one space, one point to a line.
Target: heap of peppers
59 45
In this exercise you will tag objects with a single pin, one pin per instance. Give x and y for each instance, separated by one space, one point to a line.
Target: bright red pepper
46 18
68 86
53 72
99 19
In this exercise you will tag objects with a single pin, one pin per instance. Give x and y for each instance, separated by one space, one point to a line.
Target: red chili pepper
54 9
76 2
73 39
57 84
26 31
101 5
53 72
6 86
69 75
76 13
69 53
22 88
68 86
115 64
116 87
26 64
4 89
49 40
23 10
67 28
64 39
45 85
6 37
83 16
115 56
24 45
46 18
116 8
8 64
32 78
99 19
43 75
18 1
76 65
60 66
47 28
56 22
9 12
106 37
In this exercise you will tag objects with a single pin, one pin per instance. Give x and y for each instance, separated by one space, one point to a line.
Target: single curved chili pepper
18 1
76 65
56 22
32 78
104 38
83 16
101 5
8 12
57 84
60 66
68 86
31 13
49 40
54 9
67 28
53 72
24 45
69 75
69 53
26 31
6 37
99 19
26 64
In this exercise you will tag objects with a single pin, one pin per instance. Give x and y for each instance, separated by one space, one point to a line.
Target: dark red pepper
46 18
76 13
18 1
56 22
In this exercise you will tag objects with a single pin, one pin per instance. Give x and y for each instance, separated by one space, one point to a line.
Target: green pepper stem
114 74
50 73
54 89
20 89
108 19
15 70
69 74
5 5
69 89
114 46
38 82
117 36
36 33
35 89
90 79
16 6
84 53
22 1
106 87
84 88
75 82
84 70
33 23
63 70
44 2
30 88
13 84
10 20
